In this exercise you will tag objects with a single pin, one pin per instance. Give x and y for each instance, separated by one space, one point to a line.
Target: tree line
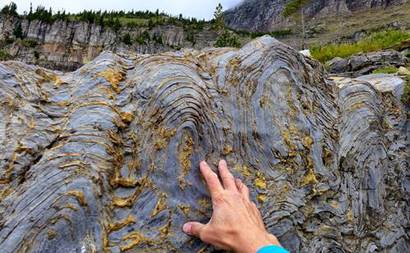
114 19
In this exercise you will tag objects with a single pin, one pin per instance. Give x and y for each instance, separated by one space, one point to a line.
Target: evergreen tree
10 10
18 32
219 22
296 8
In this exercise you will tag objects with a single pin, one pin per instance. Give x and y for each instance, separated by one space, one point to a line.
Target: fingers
227 178
212 180
243 189
193 228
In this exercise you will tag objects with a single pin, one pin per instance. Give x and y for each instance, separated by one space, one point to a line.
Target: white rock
385 83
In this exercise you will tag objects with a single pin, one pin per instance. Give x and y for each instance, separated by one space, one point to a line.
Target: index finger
212 180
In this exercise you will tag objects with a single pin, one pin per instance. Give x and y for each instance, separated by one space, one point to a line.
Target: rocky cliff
105 159
267 15
67 45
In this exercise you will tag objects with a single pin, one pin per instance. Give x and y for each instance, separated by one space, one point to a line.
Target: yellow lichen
124 182
51 234
164 230
286 134
127 117
161 205
227 150
261 198
309 178
260 181
122 202
79 196
184 208
114 77
307 142
119 225
163 137
47 76
184 157
135 239
350 216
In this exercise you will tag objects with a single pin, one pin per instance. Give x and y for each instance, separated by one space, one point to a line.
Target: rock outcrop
267 15
105 159
67 45
362 64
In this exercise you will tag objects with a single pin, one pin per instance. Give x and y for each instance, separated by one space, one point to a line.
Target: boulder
362 64
105 158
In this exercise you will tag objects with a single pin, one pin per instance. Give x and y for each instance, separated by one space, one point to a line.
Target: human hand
236 223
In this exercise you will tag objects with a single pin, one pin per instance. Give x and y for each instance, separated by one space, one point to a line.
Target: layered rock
267 15
106 158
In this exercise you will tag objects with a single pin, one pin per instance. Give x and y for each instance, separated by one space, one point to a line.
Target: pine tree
219 22
296 8
18 32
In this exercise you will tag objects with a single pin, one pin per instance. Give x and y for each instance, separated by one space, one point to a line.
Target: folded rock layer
105 159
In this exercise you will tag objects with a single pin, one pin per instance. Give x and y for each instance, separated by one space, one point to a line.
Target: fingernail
187 228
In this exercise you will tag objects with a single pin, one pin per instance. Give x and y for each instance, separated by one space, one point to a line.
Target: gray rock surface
105 159
362 64
266 15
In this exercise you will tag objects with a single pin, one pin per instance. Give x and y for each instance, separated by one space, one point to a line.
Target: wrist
252 244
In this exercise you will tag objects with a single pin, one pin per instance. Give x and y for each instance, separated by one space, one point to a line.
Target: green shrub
29 43
143 38
126 39
190 36
385 70
158 39
227 39
375 42
4 55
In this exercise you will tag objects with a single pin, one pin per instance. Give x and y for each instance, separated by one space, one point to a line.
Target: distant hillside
64 41
267 15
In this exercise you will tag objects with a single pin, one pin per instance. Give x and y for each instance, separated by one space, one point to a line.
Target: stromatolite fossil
105 159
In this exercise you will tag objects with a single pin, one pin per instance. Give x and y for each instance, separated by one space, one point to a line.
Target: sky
189 8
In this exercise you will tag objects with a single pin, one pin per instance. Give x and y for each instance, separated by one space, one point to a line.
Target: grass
375 42
386 70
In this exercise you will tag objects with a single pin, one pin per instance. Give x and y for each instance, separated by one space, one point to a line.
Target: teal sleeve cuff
272 249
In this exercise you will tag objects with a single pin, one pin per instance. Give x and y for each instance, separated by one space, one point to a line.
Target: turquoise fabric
272 249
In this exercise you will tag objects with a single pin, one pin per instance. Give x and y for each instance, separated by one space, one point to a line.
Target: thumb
193 228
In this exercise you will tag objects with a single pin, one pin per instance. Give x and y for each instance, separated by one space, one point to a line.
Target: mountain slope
266 15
